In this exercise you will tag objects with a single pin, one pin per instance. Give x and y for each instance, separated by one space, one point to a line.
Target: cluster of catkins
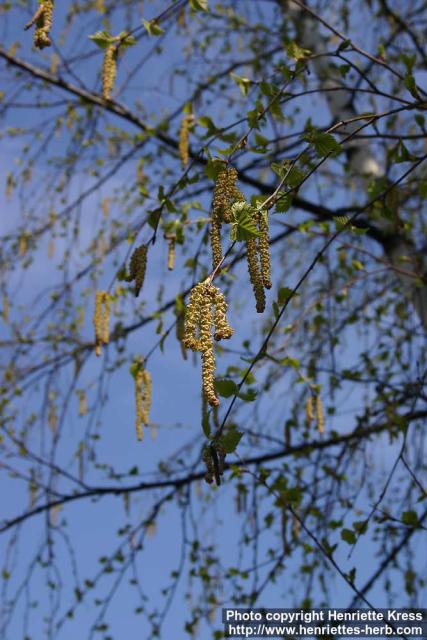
226 194
109 70
138 267
309 412
43 21
206 310
142 379
101 320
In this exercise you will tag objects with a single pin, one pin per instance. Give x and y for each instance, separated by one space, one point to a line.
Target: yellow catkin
319 415
106 319
142 380
146 380
105 206
295 527
5 309
100 6
138 267
50 249
82 403
22 245
215 237
223 331
180 329
101 320
139 377
109 70
199 323
264 250
192 318
225 194
208 356
309 410
43 25
183 146
255 274
171 251
54 61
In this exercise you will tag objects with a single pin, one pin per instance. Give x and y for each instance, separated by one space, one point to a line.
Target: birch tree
214 311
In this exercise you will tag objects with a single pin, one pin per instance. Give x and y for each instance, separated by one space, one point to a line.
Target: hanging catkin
184 133
142 380
223 331
255 274
264 249
309 410
319 414
146 380
43 21
225 194
109 70
138 267
101 320
180 325
199 323
171 238
207 350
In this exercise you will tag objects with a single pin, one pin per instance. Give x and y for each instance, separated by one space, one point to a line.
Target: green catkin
264 250
109 70
138 267
255 274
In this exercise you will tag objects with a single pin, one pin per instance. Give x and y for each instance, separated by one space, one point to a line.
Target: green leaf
242 83
226 388
345 44
297 53
102 39
284 294
243 228
411 85
410 518
348 536
324 143
283 202
231 439
199 5
152 27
